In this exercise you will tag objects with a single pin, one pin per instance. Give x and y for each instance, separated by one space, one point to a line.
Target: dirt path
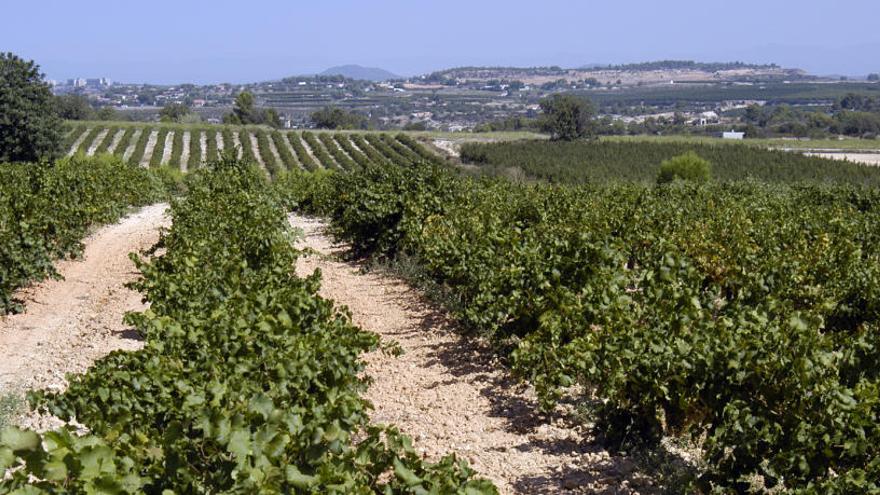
70 323
132 144
451 396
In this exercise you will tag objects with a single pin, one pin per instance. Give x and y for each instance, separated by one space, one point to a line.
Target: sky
200 41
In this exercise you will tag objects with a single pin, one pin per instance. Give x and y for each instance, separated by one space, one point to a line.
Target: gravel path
132 144
168 148
236 143
311 152
116 139
255 149
274 150
184 153
79 140
148 150
203 144
97 142
450 395
70 323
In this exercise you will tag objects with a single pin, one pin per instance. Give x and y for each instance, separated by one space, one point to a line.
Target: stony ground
71 322
450 395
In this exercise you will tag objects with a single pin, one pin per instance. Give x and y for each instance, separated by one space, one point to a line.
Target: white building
734 135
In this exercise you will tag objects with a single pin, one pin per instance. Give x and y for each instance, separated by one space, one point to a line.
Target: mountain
359 72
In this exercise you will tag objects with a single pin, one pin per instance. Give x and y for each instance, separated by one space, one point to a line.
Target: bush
688 166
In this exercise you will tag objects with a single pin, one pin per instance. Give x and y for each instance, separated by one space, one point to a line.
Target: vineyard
188 148
45 210
249 382
639 161
742 317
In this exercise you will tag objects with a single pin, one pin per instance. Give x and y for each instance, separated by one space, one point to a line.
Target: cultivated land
188 147
72 321
604 274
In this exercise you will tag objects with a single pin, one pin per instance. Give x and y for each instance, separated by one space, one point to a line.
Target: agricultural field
638 160
737 317
187 148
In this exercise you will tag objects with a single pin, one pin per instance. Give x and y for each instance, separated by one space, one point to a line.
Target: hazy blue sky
221 40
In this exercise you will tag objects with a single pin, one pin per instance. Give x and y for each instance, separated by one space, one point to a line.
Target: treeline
856 115
738 315
688 64
605 161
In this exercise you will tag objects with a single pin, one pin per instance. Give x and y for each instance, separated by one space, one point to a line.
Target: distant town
492 98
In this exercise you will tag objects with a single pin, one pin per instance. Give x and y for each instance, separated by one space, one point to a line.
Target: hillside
360 73
631 74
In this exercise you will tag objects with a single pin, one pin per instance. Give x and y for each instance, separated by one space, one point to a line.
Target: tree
688 167
173 113
337 118
245 112
30 128
74 107
874 77
568 117
106 113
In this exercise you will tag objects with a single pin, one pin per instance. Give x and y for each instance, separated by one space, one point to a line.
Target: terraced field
190 147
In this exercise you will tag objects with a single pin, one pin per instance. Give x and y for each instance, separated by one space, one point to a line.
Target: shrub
689 166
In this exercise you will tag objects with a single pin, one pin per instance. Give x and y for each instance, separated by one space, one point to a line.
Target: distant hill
361 73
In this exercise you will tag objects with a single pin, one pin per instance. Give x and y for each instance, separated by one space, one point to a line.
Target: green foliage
603 162
338 118
159 149
567 117
174 112
371 152
140 147
743 313
89 139
30 129
319 151
45 209
245 112
266 153
107 141
176 149
301 153
195 149
342 159
689 167
74 107
211 153
388 153
247 148
248 382
288 161
344 141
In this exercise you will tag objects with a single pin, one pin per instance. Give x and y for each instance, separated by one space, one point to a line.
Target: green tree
689 167
245 112
568 117
173 112
337 118
30 128
106 113
74 107
874 77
